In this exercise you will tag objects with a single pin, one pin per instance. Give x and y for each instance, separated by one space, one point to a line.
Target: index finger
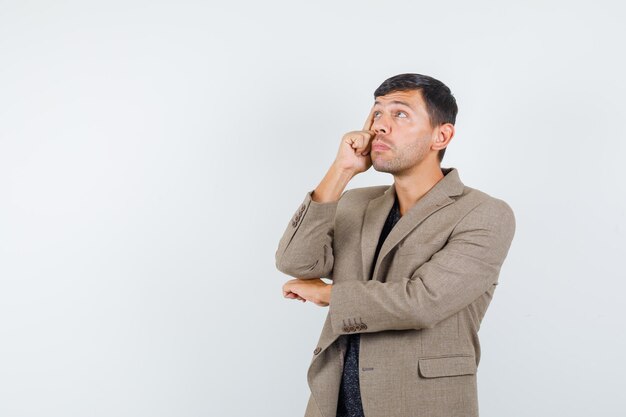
370 120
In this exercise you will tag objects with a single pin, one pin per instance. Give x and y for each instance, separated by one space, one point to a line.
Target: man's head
414 116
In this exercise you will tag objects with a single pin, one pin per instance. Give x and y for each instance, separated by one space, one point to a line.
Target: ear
445 133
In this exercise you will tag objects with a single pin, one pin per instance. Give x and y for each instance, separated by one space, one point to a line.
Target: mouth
379 146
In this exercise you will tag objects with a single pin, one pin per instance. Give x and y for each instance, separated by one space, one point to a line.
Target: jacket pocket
447 366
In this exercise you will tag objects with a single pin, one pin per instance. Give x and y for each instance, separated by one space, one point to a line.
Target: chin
381 167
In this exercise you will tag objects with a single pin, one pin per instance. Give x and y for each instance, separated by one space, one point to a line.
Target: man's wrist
328 288
332 185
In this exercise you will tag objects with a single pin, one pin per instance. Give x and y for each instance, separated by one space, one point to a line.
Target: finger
356 142
362 141
365 142
368 147
288 285
370 120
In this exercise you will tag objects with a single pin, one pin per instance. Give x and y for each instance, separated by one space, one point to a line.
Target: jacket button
294 223
346 329
317 350
302 207
352 328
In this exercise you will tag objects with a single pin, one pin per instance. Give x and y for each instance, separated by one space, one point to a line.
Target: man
413 265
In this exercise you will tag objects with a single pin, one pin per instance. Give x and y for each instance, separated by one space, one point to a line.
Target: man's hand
314 290
354 152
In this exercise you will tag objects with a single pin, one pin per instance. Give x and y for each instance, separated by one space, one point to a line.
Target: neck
412 186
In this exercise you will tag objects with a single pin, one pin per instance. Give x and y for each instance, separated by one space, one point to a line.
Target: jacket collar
378 209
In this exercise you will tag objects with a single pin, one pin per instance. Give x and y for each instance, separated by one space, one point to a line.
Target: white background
152 154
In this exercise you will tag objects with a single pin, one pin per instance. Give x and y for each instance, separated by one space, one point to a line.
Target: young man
413 265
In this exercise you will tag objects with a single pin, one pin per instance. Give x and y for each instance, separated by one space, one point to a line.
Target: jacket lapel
378 209
375 215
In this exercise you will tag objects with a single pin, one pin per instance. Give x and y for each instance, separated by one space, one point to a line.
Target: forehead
413 98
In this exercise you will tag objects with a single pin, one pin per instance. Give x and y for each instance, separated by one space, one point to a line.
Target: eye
376 113
401 112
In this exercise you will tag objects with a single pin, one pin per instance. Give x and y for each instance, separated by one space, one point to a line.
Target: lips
379 147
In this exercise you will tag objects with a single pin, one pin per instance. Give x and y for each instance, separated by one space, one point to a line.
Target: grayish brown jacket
420 313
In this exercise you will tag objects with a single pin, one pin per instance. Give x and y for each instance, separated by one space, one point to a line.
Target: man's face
401 122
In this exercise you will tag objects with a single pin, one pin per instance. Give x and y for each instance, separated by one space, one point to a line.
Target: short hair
440 103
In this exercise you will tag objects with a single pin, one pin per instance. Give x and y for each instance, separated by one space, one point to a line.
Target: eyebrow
396 102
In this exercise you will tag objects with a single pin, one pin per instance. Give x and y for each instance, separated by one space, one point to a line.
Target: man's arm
464 269
305 249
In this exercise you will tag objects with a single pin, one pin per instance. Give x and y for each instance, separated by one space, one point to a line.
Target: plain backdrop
153 152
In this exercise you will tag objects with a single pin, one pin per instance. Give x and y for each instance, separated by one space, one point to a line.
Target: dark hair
440 103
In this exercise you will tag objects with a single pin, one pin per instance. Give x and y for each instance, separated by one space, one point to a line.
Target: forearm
454 277
332 185
413 303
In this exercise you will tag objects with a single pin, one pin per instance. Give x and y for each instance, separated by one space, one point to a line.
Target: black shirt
349 404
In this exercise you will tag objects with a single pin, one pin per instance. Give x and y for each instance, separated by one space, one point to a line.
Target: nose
380 125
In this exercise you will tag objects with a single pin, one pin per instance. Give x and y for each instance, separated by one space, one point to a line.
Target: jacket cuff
326 209
343 310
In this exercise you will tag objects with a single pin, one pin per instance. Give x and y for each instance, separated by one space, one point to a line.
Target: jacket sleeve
306 248
455 276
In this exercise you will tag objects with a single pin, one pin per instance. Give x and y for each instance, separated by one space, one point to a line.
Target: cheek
411 129
416 147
